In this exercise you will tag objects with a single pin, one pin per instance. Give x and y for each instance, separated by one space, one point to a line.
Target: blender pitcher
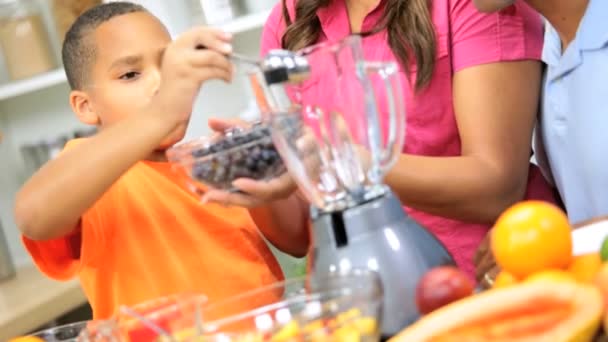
338 122
338 155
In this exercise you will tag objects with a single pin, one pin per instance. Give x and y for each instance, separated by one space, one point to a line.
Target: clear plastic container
24 39
217 161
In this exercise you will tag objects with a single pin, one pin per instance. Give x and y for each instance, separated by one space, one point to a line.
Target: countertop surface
31 300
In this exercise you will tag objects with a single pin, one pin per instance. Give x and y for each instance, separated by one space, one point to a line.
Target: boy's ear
82 106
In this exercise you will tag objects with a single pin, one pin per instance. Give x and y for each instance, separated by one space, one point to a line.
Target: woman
471 84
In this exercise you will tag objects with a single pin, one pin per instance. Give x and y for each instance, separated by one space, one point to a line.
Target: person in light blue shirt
572 135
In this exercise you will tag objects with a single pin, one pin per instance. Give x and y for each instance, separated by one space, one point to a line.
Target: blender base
380 236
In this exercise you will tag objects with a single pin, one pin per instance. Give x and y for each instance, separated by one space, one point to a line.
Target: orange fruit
532 236
551 275
585 267
504 279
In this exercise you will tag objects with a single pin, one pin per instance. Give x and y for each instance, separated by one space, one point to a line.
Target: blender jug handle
389 73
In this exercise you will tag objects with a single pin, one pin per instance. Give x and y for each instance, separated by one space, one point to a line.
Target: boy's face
126 71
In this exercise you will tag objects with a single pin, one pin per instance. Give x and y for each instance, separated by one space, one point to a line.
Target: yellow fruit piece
315 331
366 326
551 275
348 315
287 332
585 267
26 339
532 236
346 334
504 279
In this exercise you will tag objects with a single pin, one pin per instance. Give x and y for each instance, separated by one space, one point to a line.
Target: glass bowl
149 321
217 161
337 307
63 333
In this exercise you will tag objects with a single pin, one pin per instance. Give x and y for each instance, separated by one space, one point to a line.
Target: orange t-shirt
148 237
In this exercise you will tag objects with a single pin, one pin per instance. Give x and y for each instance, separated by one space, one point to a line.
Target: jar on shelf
65 13
24 39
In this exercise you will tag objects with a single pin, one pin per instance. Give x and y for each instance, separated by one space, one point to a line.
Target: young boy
109 209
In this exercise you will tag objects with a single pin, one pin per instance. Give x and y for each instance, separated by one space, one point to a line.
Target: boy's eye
129 75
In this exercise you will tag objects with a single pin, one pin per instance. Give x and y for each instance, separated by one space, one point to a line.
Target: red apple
441 286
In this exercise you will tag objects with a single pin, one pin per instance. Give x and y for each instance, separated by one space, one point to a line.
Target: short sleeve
512 34
63 258
273 30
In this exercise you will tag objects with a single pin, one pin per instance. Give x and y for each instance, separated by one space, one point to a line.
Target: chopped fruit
585 267
441 286
551 275
289 331
346 334
26 339
504 279
604 250
532 236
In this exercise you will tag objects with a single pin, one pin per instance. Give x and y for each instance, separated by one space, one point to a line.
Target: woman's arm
496 106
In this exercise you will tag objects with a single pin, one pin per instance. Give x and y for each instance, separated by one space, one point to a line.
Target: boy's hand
255 193
185 66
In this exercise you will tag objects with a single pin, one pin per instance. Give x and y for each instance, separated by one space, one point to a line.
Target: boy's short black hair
78 53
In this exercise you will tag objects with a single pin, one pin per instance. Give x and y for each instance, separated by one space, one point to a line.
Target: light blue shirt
574 120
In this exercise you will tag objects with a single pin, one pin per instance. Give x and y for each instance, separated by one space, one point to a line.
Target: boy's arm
285 223
51 203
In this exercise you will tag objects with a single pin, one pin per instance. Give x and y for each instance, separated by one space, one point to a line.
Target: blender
338 122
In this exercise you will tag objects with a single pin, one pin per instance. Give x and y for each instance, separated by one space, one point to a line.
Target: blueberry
201 152
258 160
250 162
202 171
261 164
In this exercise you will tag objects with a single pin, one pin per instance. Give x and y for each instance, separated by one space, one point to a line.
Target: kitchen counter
31 300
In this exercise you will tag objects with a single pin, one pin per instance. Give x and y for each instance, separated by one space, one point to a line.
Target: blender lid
281 66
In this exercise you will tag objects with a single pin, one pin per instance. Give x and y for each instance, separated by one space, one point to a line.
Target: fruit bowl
344 307
341 307
148 321
217 161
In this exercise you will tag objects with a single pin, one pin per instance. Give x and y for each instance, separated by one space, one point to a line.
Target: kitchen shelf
57 76
246 22
16 88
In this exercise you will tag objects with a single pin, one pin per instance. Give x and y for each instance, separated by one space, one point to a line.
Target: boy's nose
155 82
